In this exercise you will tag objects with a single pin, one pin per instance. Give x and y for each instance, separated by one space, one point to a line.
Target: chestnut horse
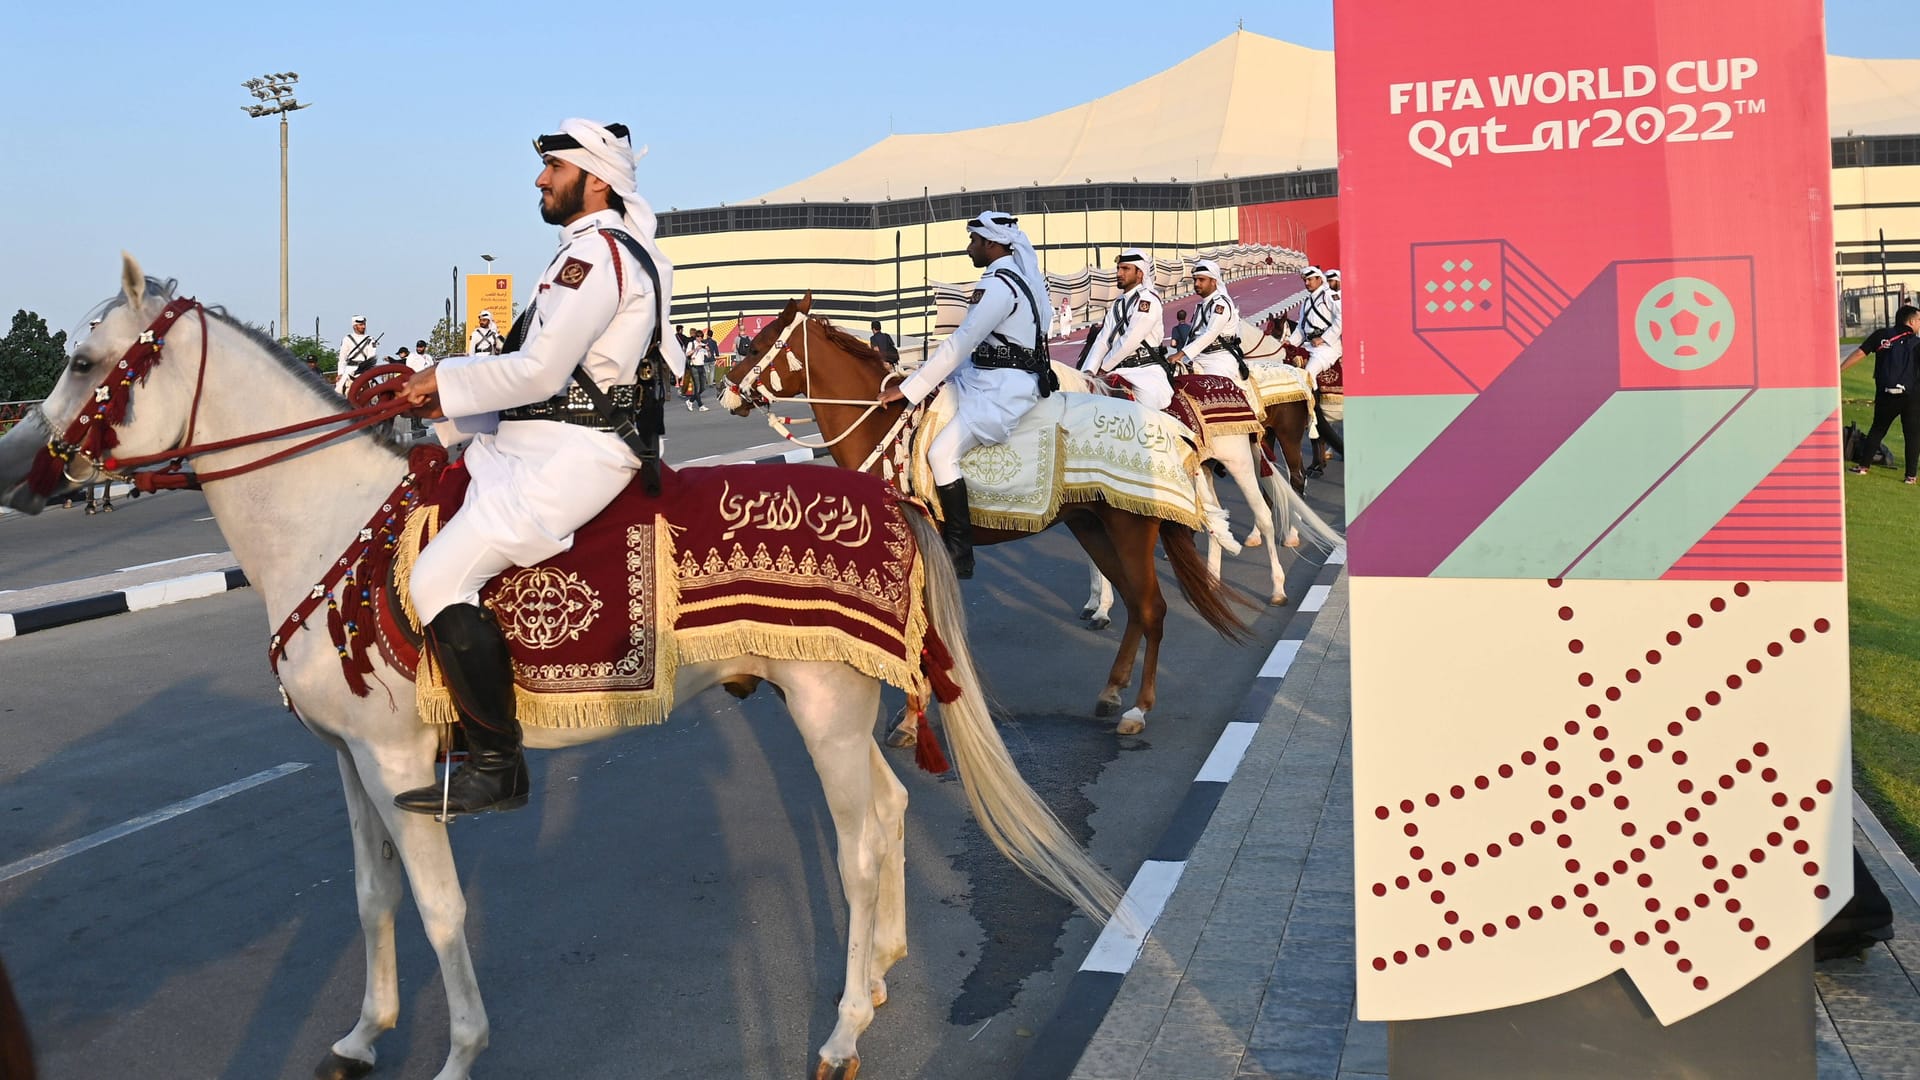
841 377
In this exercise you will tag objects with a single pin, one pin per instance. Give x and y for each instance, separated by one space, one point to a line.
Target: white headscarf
1209 268
612 158
1002 228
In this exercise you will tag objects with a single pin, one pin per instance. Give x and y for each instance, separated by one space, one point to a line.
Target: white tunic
484 340
1218 317
1133 320
1319 318
990 400
536 481
356 352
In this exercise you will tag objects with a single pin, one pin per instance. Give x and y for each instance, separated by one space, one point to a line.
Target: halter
747 390
91 436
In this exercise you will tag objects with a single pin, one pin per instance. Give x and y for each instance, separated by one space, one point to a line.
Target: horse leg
1098 611
377 885
833 706
385 771
1245 474
1146 618
1288 425
1211 496
1098 542
890 915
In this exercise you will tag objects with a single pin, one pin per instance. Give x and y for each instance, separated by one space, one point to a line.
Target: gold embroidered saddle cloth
1276 383
789 562
1070 448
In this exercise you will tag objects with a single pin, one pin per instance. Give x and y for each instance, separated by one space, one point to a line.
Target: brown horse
841 377
1286 422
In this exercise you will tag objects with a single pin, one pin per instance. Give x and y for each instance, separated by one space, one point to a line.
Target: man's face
977 251
360 327
1314 281
486 320
1204 284
1334 284
1129 274
563 191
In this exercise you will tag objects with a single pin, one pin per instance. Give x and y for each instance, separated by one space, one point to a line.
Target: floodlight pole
275 93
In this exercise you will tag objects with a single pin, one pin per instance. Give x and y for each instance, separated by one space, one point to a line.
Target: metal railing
12 412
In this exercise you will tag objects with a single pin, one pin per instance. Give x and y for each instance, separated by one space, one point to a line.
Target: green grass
1883 606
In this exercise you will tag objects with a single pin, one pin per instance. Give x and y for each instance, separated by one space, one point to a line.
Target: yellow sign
492 293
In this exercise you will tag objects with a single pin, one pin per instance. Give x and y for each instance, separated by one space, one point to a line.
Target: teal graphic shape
1385 434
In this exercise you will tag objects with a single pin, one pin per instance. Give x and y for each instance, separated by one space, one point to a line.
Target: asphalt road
666 907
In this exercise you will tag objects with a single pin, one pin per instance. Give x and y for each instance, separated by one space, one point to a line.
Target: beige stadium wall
851 271
1867 201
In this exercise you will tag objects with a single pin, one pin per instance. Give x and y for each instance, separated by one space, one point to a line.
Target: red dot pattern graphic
1662 914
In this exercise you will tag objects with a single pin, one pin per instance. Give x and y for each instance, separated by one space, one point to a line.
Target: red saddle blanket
790 562
1214 407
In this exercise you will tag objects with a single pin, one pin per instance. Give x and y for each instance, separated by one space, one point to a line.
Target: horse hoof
336 1067
1103 707
1253 540
902 737
1099 622
1087 613
1278 600
1133 723
1293 538
846 1070
879 991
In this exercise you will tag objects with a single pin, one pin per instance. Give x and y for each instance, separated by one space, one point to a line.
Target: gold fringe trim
1137 504
413 536
1283 397
1237 427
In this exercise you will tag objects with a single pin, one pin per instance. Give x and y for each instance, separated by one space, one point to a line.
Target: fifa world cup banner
1596 546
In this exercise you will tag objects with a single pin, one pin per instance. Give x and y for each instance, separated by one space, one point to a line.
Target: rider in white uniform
1318 327
1215 326
1129 341
543 462
991 361
356 355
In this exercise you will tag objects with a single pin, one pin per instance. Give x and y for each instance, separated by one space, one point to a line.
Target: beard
562 205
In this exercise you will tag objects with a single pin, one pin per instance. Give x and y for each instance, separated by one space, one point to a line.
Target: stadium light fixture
275 94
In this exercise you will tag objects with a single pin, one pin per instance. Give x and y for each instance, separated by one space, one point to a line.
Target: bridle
89 440
748 390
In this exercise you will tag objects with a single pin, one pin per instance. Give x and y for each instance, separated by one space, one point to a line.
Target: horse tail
1009 812
1205 592
1292 516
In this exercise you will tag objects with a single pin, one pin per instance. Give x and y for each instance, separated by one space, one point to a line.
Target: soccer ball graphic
1684 323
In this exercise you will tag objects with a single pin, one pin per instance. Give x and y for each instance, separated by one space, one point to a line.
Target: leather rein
90 438
748 389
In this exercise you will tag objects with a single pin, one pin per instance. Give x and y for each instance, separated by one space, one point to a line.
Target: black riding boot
473 657
957 529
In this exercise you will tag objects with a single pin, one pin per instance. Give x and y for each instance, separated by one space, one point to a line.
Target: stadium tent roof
1248 105
1873 97
1244 106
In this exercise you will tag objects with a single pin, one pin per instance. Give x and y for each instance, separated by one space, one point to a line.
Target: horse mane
847 343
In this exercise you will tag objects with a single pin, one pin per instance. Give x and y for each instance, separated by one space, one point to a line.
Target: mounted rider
545 457
996 362
358 352
1329 395
1318 327
1214 348
1128 346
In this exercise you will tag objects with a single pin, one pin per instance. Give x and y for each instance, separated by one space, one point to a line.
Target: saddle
1071 447
788 562
1213 406
1277 383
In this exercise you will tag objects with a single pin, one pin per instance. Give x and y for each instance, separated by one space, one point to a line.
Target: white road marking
164 562
1338 557
209 517
1316 597
1227 752
145 821
1280 659
172 590
6 626
1119 943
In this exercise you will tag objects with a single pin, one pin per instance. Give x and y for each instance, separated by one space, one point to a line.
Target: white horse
287 522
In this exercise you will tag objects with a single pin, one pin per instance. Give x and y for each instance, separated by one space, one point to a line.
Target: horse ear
132 282
806 302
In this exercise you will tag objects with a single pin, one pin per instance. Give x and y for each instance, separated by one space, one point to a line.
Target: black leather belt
1009 356
1145 356
574 407
1223 344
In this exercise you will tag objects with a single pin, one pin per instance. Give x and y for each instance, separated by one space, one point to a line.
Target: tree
448 338
313 350
30 358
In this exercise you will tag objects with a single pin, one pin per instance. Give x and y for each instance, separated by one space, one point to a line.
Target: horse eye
81 365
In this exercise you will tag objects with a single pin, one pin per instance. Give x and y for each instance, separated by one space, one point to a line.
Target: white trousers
1218 362
534 483
1151 387
952 444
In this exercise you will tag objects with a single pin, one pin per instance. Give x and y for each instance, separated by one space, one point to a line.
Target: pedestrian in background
882 343
1182 330
1896 384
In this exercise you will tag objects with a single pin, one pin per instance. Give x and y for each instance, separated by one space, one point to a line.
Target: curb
120 601
212 583
1058 1046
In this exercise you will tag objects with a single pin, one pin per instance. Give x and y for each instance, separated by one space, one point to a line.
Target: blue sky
124 129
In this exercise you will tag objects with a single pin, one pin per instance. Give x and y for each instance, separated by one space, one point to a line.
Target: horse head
52 448
771 368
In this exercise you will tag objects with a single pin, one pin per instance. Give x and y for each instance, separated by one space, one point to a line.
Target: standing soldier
484 340
994 361
544 458
356 354
1214 347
